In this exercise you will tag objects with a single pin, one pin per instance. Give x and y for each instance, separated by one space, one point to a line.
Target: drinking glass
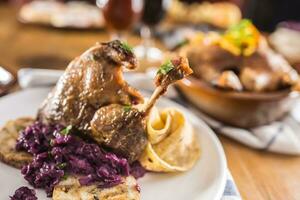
153 12
120 15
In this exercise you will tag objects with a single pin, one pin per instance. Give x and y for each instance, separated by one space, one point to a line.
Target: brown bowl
241 109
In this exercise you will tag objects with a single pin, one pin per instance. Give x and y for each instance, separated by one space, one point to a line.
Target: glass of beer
120 15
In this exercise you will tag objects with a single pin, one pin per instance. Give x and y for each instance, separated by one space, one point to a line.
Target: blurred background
48 33
266 14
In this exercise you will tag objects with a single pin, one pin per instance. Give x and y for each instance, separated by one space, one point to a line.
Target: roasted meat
93 97
209 61
228 80
264 70
123 128
120 128
91 81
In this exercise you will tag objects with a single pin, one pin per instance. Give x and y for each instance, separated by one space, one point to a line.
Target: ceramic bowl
241 109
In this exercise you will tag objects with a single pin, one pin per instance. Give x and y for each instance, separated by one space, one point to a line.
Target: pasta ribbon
173 145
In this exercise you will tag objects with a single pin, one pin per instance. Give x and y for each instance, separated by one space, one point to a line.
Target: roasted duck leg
93 97
169 73
123 128
91 81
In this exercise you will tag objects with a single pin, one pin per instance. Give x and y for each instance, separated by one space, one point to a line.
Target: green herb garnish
66 131
242 34
61 165
127 108
126 47
166 67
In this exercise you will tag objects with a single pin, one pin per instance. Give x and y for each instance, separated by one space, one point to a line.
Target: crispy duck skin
93 97
90 81
120 129
123 129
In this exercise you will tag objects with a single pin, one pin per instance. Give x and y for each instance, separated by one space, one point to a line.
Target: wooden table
259 175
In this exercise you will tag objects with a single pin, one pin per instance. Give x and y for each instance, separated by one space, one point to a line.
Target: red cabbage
58 153
137 170
24 193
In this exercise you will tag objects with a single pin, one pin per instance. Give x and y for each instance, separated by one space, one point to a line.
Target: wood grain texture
43 47
263 175
259 175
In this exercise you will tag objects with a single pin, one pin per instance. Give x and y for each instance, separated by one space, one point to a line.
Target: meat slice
91 81
263 70
228 80
209 61
123 128
266 71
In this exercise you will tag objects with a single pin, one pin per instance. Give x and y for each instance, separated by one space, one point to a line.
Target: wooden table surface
259 175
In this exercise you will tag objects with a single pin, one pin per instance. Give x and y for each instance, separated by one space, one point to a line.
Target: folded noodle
173 145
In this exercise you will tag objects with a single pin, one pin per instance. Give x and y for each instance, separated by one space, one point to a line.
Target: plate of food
93 136
74 14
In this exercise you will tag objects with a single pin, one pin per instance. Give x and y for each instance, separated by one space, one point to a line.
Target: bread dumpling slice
70 189
9 134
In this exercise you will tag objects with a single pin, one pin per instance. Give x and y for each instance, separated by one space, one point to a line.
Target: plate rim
213 137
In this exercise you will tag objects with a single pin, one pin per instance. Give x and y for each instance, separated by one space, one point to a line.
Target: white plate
206 181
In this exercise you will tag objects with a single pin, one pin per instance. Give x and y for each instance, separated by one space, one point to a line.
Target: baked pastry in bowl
241 109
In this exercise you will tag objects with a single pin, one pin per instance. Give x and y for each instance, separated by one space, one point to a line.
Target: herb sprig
126 47
61 165
166 67
66 131
127 108
242 38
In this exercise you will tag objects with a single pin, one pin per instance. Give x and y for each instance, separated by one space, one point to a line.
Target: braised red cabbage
58 152
24 193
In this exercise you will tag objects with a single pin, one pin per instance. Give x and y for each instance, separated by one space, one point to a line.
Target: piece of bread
9 134
70 189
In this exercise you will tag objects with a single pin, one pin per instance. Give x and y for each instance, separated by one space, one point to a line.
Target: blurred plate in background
77 15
